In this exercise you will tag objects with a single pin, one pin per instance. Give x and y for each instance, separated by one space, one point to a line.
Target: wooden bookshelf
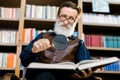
9 24
103 29
38 23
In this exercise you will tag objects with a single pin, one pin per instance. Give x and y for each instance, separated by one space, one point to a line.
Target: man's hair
69 4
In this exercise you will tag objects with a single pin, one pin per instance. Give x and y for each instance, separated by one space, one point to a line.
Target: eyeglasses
71 20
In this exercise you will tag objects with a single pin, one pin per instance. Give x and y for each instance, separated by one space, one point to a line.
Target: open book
85 64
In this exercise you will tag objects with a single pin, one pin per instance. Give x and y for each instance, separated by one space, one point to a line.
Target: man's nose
66 22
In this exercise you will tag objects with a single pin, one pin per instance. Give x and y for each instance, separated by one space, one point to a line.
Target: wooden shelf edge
7 69
101 24
108 72
39 19
8 19
3 44
102 48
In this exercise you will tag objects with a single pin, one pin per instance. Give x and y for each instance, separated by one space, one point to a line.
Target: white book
0 36
115 19
82 65
38 12
53 12
27 11
48 13
13 37
13 13
44 12
1 57
3 36
119 18
2 12
17 13
32 11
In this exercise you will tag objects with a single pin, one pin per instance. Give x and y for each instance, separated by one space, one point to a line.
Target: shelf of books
34 24
101 30
9 21
20 23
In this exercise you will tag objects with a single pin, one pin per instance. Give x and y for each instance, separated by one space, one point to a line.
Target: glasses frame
70 19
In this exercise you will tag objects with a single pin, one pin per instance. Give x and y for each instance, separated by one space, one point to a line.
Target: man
41 50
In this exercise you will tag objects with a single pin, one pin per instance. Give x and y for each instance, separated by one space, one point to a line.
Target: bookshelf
93 26
9 29
24 22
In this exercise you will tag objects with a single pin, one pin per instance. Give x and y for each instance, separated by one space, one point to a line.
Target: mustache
62 24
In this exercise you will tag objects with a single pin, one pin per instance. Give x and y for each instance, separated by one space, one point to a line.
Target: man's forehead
69 11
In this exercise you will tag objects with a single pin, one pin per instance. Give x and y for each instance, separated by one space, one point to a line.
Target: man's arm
82 52
27 56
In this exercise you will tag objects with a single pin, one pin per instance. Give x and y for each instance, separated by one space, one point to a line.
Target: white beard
66 32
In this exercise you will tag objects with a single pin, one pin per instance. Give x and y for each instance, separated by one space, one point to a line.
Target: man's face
65 21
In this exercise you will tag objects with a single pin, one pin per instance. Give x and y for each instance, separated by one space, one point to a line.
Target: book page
85 62
98 63
66 63
62 65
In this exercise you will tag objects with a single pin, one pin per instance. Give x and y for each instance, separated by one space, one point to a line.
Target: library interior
22 20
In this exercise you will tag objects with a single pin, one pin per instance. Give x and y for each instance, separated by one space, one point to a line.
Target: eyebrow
69 16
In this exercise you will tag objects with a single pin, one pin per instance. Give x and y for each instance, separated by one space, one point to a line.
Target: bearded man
41 50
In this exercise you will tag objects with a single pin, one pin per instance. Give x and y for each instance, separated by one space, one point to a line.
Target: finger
84 74
44 45
36 45
41 47
77 75
47 43
90 72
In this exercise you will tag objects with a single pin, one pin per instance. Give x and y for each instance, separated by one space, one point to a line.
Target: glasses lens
62 17
69 19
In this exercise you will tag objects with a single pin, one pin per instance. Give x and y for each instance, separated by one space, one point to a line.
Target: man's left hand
83 74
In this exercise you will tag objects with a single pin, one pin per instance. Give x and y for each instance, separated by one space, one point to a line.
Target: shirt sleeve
82 52
26 55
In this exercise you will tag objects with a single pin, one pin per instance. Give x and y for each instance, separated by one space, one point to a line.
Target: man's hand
40 45
83 74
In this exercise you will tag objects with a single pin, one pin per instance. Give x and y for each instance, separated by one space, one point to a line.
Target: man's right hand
40 45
